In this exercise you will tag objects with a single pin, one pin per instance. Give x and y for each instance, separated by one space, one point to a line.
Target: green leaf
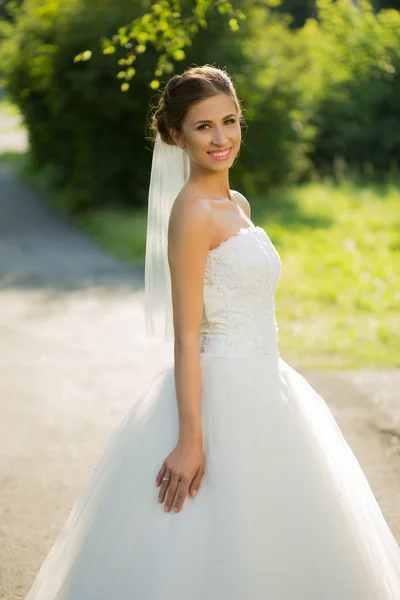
179 55
87 55
142 37
109 50
233 24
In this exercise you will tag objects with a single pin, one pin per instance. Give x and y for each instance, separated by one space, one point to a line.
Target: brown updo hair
181 91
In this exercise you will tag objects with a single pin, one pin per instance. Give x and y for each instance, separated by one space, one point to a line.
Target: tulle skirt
284 511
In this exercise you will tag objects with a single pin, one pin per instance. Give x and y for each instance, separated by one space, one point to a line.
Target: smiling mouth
220 154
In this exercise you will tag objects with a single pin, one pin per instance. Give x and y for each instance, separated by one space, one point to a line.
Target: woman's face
211 132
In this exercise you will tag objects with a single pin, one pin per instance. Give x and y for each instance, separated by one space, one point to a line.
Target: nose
219 137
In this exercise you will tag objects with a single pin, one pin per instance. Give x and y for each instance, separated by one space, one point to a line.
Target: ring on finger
167 476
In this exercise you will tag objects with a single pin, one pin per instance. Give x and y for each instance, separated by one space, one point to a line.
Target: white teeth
219 153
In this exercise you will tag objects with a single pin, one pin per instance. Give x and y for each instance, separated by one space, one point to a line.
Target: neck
213 184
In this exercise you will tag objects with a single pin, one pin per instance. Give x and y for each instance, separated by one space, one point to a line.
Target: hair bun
171 85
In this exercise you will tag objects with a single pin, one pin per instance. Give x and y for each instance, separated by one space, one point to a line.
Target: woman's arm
189 238
189 242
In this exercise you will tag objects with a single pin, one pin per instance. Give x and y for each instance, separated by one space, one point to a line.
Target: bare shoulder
243 202
190 223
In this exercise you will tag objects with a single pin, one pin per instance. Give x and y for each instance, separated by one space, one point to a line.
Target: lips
220 154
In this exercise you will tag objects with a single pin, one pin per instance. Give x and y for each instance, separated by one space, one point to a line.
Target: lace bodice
239 290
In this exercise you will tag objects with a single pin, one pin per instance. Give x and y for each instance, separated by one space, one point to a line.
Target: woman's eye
227 121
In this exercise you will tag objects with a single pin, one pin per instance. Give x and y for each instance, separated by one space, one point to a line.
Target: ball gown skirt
283 512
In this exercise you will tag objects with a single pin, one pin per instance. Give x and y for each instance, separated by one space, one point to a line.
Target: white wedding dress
284 511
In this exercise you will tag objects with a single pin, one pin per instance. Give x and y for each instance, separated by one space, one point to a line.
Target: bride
229 477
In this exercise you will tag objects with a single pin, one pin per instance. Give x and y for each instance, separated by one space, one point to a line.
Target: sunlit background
319 82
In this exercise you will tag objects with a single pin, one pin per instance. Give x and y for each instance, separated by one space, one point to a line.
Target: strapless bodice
239 291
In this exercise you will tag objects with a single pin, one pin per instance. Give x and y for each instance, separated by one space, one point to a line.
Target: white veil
169 172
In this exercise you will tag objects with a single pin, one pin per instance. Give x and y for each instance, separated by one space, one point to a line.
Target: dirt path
73 358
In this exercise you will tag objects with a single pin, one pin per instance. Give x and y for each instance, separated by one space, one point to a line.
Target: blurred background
319 82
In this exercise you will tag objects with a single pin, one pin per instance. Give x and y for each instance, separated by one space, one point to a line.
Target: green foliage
86 135
169 27
357 54
278 104
299 10
314 98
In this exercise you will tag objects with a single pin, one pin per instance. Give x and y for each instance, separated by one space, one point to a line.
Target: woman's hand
184 468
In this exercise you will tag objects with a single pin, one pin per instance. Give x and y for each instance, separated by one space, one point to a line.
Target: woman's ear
177 137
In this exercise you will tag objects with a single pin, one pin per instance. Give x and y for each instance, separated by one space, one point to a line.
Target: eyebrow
209 121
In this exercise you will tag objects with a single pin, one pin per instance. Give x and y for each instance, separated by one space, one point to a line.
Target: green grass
14 160
121 232
7 107
338 298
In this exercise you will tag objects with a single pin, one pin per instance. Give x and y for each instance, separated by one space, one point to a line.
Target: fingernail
176 509
166 509
194 493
